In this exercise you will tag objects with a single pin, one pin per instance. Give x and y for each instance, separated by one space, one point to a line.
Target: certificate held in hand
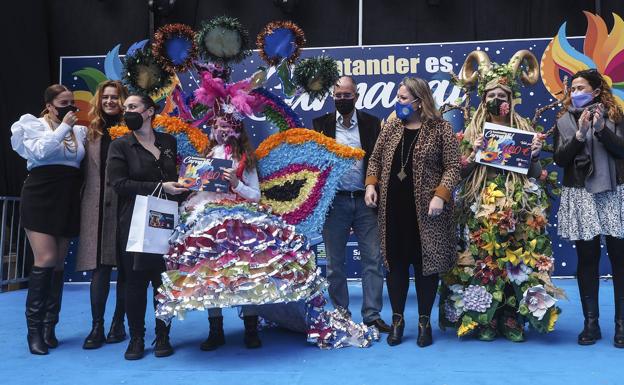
506 148
204 174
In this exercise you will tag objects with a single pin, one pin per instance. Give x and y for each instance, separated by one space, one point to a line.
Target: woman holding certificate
502 275
140 163
589 146
229 141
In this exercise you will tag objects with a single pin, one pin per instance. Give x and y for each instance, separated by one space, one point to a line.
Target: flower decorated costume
502 276
249 246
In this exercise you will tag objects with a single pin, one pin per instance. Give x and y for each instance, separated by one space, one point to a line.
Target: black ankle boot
618 338
39 282
252 340
95 339
216 337
117 332
398 326
136 348
591 329
53 308
424 331
163 347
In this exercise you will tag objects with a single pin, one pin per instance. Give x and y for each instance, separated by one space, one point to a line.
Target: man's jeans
347 212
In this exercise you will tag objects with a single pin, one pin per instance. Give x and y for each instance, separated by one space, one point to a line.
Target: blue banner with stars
378 70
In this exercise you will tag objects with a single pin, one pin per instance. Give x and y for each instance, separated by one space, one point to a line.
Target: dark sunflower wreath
143 73
174 47
223 39
316 75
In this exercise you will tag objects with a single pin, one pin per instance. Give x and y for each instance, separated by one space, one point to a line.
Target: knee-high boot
39 283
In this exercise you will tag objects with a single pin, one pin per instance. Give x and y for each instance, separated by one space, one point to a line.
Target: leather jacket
566 151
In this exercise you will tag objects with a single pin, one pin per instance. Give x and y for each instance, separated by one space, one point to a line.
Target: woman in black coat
138 163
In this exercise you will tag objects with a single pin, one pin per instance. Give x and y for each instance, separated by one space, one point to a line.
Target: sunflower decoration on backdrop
223 39
316 76
502 276
143 73
602 50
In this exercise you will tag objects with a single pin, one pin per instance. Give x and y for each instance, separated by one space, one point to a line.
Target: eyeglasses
344 96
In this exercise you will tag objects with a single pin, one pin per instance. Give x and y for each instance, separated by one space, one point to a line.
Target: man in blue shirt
355 129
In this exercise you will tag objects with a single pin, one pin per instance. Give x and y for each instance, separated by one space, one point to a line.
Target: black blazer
368 125
132 170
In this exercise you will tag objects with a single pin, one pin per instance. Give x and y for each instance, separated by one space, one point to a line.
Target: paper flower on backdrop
223 39
316 76
174 47
280 40
299 170
191 141
602 50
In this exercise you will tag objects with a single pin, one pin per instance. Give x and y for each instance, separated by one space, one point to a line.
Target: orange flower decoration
172 125
302 135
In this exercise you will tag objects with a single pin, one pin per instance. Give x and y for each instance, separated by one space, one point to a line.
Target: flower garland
302 135
191 140
299 170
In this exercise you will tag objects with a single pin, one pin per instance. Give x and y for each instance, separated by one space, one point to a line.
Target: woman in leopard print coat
415 167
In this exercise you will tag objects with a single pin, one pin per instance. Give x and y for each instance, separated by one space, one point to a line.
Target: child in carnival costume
502 276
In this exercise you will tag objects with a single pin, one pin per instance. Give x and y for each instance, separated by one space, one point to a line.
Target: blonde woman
96 250
411 174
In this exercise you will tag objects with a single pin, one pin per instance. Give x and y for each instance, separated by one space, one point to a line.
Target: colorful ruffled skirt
228 254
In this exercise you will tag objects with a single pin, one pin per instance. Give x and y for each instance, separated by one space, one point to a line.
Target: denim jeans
351 212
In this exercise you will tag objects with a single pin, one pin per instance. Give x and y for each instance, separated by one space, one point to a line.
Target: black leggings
137 282
99 289
588 274
397 279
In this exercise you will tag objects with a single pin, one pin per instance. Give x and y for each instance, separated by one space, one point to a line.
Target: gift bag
153 221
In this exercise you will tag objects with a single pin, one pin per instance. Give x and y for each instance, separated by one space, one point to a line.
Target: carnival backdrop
378 70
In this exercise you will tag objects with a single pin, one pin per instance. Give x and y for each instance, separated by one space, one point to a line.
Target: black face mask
134 120
62 111
344 106
493 106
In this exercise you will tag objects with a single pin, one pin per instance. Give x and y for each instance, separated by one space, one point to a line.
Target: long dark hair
241 147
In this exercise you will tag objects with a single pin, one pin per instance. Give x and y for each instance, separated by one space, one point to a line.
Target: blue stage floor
286 358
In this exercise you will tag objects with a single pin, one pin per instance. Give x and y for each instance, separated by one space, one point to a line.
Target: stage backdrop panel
378 70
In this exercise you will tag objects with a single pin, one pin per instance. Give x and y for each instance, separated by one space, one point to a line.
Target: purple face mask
581 99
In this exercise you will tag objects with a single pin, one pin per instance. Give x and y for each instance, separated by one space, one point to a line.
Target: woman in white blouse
53 146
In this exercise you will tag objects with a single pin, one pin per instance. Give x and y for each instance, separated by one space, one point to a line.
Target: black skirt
51 201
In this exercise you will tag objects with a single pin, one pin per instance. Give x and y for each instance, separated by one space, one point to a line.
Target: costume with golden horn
502 276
